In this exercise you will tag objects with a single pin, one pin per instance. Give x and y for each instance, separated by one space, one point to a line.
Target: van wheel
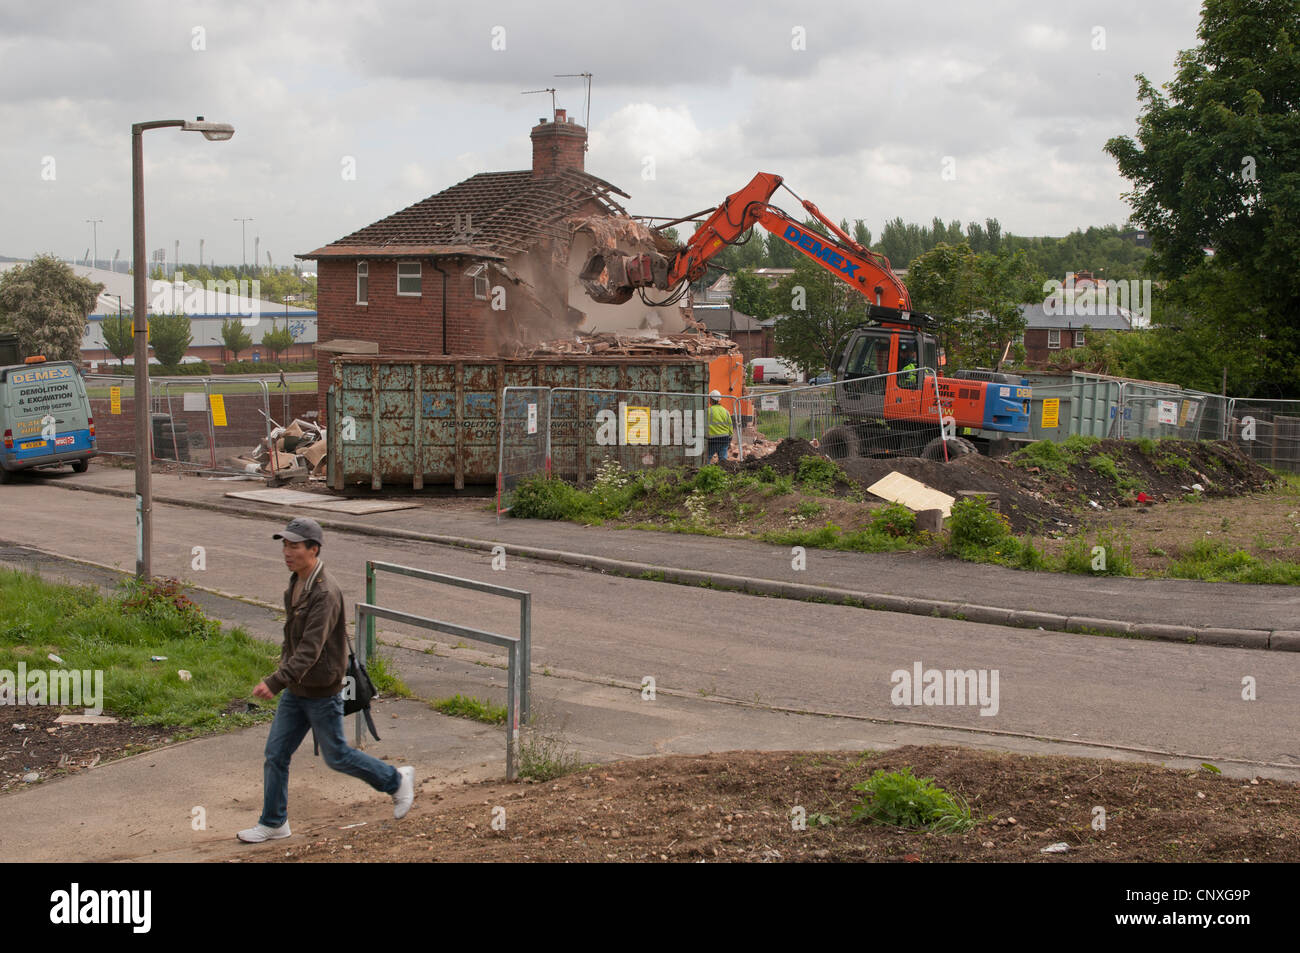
80 466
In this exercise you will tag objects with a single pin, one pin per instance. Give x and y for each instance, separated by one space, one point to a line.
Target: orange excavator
882 409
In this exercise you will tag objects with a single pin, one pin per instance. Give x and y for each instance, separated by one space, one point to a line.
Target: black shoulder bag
358 699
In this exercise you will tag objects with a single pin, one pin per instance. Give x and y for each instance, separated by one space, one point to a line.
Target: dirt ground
1262 524
46 749
741 807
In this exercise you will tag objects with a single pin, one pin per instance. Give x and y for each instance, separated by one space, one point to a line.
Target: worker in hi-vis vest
719 428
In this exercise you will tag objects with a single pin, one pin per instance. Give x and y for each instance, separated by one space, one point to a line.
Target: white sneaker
404 796
260 833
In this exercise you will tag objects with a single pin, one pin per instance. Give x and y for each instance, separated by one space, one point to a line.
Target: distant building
1048 332
206 307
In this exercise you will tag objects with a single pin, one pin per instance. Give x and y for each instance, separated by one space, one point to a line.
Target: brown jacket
314 657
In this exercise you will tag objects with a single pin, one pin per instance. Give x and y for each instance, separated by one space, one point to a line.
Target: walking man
313 661
719 428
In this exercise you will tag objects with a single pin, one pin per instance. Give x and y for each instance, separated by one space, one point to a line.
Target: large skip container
418 420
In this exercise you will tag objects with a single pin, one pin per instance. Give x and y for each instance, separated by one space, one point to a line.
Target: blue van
44 417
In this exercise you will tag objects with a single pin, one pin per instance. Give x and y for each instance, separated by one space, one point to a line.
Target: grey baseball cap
301 530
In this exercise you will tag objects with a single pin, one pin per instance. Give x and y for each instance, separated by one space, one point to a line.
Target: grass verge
119 634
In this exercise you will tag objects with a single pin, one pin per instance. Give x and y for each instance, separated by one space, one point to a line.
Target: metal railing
523 640
367 613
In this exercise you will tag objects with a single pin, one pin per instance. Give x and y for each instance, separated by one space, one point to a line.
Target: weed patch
463 706
901 799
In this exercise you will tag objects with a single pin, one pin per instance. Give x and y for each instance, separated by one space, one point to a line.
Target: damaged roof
508 212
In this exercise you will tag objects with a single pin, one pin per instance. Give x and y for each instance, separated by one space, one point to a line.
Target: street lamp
94 224
216 132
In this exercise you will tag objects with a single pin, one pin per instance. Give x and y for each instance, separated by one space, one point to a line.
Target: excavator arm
613 278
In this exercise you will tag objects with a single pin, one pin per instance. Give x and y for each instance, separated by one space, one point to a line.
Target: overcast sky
860 106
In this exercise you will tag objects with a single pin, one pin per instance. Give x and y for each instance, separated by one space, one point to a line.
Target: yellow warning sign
1051 412
115 400
636 425
218 410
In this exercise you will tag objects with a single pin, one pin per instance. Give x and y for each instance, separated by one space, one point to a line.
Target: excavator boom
614 278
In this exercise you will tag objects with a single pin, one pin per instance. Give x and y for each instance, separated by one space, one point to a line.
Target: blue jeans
719 446
293 719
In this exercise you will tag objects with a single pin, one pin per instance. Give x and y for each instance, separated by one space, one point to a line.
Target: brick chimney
558 145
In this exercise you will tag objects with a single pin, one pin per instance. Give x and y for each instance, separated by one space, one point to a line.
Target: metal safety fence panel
884 415
639 430
522 438
196 422
1175 414
112 407
1267 431
237 417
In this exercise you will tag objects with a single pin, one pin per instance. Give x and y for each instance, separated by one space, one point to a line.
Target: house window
408 278
1078 339
363 281
1053 338
479 274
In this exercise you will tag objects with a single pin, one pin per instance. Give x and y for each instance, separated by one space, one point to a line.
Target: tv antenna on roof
527 92
587 77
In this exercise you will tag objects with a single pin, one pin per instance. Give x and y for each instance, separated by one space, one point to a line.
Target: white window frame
418 276
363 282
1054 338
1078 339
481 283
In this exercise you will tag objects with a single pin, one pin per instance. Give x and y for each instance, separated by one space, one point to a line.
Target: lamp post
94 224
215 131
243 237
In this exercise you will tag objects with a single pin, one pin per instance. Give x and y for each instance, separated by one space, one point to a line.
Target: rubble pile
645 344
292 454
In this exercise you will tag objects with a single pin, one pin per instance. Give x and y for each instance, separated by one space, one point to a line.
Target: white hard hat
715 394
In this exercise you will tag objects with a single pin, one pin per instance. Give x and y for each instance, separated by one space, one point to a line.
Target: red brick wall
398 324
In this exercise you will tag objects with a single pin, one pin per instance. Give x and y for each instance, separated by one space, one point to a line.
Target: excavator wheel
839 443
957 447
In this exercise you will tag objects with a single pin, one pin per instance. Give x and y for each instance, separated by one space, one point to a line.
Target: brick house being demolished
488 266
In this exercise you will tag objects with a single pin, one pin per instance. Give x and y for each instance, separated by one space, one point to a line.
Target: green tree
976 298
820 309
46 304
1214 165
234 337
277 341
170 335
751 295
117 337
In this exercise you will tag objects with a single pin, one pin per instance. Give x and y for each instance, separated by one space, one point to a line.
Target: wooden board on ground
85 720
356 507
283 497
913 494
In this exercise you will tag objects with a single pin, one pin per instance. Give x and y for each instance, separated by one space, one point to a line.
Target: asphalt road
1162 698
